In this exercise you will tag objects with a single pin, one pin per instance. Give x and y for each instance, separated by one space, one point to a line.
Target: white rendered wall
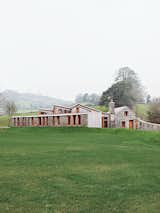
95 119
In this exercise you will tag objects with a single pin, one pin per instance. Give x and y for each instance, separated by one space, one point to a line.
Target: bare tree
10 109
2 100
2 103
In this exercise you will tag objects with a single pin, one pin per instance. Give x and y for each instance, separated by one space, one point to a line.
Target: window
58 120
77 109
74 119
39 121
79 120
126 113
69 120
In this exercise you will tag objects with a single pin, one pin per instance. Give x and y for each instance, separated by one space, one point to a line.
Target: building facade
79 116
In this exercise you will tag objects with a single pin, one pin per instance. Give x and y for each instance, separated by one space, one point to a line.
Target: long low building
80 116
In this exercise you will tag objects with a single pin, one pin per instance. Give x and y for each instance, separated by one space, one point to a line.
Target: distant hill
29 101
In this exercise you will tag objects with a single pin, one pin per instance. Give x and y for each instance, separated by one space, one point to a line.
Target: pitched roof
119 109
85 107
60 106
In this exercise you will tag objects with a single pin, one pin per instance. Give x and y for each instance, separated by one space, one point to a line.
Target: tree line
126 90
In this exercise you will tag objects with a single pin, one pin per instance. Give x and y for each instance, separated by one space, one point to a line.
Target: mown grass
4 120
72 170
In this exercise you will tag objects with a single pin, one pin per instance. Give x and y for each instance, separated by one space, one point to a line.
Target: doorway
104 122
123 124
131 124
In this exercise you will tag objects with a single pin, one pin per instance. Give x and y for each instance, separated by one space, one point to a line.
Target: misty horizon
63 48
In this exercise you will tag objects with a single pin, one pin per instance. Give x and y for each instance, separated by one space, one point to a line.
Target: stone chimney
112 107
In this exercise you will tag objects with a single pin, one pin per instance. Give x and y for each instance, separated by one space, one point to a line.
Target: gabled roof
85 107
60 106
119 109
89 109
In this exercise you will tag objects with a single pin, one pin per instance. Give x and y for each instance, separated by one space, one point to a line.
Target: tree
2 100
88 98
2 103
10 109
126 90
126 74
148 99
154 111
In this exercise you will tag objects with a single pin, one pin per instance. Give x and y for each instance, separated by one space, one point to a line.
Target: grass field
4 120
67 170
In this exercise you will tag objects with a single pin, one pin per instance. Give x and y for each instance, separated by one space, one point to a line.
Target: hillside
29 101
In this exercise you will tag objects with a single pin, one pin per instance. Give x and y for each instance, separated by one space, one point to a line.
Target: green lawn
4 120
67 170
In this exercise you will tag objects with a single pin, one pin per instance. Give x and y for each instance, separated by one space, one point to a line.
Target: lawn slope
79 170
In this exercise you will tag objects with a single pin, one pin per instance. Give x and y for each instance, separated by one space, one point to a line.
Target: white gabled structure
94 115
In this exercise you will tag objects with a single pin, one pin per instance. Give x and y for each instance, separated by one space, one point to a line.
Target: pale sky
64 47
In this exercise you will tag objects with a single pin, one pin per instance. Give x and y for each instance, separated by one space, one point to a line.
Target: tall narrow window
74 119
79 120
58 120
126 113
69 120
39 121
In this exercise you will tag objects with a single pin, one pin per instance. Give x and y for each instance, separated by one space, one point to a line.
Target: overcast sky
65 47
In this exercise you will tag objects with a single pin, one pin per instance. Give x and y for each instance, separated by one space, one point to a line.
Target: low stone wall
144 125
